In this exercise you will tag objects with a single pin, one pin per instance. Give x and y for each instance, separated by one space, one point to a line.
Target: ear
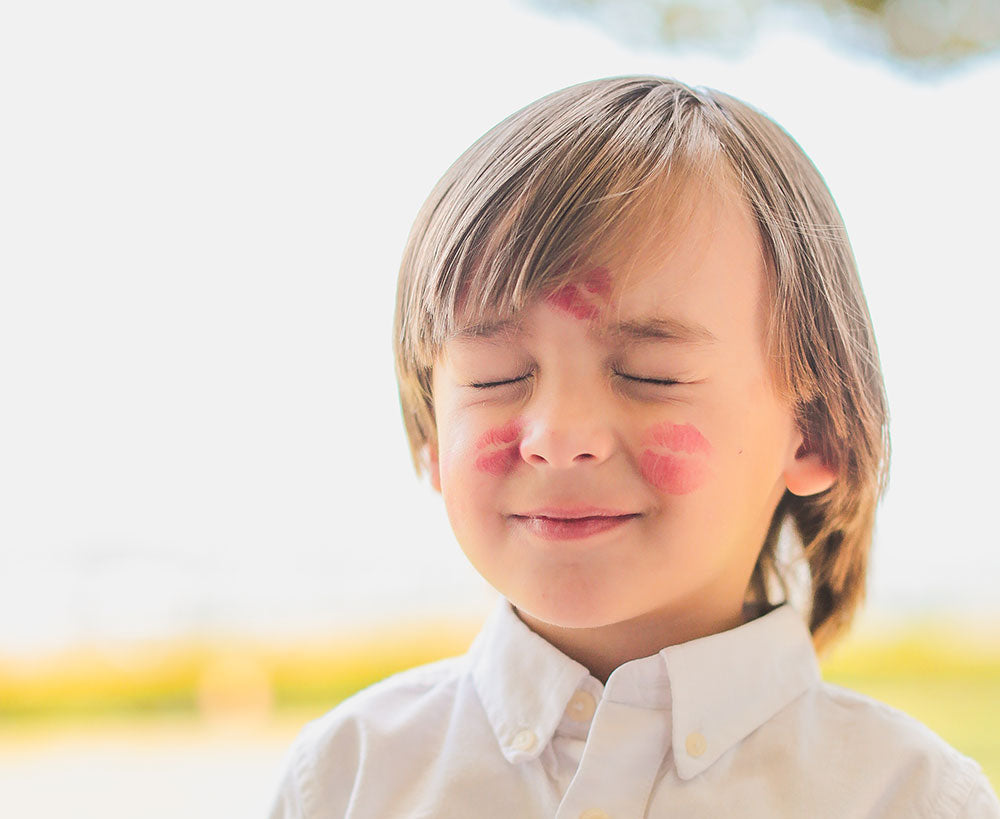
429 455
805 472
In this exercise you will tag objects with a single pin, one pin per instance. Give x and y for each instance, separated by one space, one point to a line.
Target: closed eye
485 385
641 379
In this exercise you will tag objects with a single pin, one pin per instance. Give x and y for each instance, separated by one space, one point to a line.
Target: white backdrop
202 207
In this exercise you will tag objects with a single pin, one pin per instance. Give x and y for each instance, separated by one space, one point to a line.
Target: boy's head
630 342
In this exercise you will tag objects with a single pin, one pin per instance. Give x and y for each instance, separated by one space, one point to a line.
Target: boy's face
580 480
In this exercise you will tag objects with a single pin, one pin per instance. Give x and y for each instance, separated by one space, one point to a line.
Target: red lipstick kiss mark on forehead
675 474
499 449
583 299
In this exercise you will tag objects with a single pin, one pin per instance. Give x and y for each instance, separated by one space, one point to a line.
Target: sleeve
982 802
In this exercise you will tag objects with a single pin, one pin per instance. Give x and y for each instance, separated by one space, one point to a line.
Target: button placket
624 750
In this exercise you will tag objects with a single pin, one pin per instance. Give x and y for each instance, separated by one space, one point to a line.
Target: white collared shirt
737 724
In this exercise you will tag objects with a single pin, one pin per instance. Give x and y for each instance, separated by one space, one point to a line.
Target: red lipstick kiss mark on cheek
584 299
499 449
671 474
500 462
679 438
676 474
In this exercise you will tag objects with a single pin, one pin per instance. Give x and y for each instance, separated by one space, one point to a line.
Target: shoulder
389 704
386 722
400 705
882 727
900 760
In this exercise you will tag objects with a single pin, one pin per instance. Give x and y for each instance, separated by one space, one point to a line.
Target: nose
566 428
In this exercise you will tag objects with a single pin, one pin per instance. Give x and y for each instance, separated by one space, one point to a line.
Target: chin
576 611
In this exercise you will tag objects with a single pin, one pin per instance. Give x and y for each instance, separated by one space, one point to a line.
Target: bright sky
202 208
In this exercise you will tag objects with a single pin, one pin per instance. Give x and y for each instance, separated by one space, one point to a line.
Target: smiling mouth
571 525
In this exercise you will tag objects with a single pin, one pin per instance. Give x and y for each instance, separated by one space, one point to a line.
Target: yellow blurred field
945 677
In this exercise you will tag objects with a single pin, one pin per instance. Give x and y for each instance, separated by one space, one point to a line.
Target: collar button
695 744
524 740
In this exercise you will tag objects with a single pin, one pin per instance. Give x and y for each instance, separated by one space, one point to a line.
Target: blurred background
210 530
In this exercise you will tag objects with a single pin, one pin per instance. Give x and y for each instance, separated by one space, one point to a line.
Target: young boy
631 345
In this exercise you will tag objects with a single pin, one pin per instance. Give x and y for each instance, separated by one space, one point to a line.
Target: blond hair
559 177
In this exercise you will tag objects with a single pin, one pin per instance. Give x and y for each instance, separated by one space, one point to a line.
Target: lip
572 523
573 512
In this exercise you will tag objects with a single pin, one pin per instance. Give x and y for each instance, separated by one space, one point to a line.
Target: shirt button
594 813
524 740
695 744
581 706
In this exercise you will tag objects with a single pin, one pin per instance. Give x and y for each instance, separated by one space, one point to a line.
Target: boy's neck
602 649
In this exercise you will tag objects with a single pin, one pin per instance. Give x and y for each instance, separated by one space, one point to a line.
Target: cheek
675 459
499 462
497 451
684 438
675 475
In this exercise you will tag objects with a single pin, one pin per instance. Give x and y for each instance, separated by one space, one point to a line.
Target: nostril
561 449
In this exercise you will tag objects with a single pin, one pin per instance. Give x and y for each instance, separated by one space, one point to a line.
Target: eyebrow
645 328
661 328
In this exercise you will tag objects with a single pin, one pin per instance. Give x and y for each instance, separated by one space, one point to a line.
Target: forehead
671 276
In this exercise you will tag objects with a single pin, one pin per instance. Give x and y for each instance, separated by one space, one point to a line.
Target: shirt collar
727 685
719 688
523 681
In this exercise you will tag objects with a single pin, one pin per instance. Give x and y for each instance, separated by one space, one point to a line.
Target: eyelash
636 379
486 385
